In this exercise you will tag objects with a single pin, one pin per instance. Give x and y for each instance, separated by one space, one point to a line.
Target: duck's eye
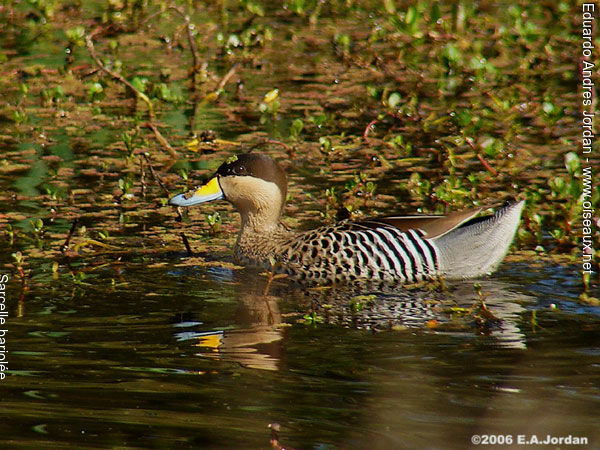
234 170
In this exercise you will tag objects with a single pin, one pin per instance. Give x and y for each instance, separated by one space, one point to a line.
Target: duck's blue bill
205 193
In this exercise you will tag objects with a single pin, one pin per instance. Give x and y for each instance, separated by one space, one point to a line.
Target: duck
395 249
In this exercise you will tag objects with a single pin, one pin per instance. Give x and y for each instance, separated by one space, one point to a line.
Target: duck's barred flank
343 253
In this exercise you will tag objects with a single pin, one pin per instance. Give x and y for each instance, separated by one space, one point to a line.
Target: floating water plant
214 222
270 104
296 128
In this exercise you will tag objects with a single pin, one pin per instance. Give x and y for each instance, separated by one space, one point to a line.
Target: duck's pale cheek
250 194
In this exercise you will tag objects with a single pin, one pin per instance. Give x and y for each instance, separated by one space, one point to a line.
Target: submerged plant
270 105
296 128
214 222
129 139
126 186
95 92
19 260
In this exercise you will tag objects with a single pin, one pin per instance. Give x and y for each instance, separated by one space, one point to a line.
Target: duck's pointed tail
477 247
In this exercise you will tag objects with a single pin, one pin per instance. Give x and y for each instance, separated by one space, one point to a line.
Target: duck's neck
260 239
260 221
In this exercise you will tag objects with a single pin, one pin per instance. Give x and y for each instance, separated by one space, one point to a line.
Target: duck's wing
432 226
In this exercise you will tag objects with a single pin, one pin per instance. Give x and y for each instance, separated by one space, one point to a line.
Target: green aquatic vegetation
10 234
126 186
407 22
79 278
569 191
164 92
75 38
230 43
24 90
564 193
313 319
95 92
400 144
253 7
492 147
374 91
214 222
418 187
37 228
46 8
256 36
359 185
19 116
52 95
319 120
243 44
551 112
361 302
298 7
184 174
53 192
313 8
342 44
125 15
140 83
482 68
326 145
393 101
296 128
333 203
451 57
19 263
129 139
452 191
103 235
269 106
537 221
342 203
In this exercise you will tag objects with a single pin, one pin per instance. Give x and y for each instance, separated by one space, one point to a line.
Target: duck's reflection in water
254 339
505 303
254 342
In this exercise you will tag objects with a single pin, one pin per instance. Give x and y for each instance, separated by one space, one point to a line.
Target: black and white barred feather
378 251
351 251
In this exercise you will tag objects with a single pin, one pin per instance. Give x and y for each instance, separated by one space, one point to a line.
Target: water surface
117 338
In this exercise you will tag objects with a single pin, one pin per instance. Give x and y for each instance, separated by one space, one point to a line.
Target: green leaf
548 108
390 6
394 99
572 163
76 35
296 127
451 53
139 83
255 8
558 185
95 88
411 16
325 143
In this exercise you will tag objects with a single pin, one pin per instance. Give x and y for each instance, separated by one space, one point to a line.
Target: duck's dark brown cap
255 165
